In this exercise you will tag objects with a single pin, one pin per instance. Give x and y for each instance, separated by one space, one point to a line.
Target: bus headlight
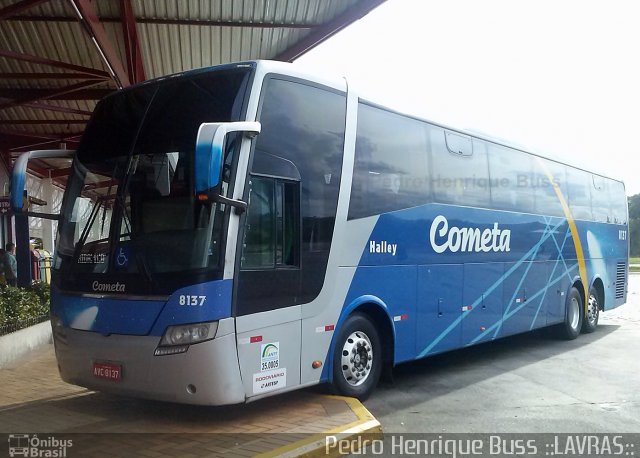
189 334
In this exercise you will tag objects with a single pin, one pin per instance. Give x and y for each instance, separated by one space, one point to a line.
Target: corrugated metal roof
52 70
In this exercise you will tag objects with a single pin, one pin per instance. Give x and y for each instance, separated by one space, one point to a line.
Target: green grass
634 260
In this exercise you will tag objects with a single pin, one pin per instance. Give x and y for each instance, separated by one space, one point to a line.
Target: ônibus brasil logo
462 239
31 445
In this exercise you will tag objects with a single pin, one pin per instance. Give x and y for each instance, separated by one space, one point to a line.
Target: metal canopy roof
59 57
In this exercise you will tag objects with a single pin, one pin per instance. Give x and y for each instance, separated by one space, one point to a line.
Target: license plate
107 371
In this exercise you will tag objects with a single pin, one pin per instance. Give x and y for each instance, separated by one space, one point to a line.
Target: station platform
35 401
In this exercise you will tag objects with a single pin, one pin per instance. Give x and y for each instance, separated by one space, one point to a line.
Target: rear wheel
593 312
357 358
573 316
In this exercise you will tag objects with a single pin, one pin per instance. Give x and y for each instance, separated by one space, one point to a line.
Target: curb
316 445
17 344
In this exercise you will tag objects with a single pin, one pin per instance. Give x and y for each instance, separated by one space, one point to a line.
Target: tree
634 225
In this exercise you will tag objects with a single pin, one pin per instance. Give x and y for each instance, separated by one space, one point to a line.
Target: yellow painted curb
316 444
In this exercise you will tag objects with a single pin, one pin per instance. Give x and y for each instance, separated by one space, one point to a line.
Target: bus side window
600 200
619 203
512 179
272 237
547 201
460 175
579 184
390 170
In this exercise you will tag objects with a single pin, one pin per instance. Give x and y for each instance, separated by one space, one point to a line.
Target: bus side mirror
209 152
19 174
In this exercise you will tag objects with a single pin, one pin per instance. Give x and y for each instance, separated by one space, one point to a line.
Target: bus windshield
130 207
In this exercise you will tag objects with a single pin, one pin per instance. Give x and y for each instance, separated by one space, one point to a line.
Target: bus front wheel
573 316
357 357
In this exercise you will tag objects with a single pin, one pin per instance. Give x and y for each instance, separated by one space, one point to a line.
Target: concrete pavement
34 400
527 383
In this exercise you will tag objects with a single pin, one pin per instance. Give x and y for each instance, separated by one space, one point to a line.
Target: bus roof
291 69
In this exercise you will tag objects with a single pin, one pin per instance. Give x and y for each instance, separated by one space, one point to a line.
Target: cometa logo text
464 239
108 287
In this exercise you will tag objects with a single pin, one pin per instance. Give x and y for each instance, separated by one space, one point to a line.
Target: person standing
10 264
3 281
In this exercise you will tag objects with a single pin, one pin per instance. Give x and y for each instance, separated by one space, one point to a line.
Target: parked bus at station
244 230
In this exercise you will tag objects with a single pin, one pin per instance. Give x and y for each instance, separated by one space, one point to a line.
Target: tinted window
271 236
618 202
512 179
134 172
152 118
579 184
302 139
305 125
461 179
600 200
259 239
547 201
390 170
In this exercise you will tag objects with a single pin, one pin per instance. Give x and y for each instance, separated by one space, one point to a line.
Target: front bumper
211 367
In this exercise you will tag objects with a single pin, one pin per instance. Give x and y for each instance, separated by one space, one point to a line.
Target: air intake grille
621 271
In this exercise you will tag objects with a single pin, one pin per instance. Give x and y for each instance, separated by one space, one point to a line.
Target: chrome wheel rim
593 309
357 358
574 313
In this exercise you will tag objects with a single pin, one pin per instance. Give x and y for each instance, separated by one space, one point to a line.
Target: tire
357 358
573 316
590 321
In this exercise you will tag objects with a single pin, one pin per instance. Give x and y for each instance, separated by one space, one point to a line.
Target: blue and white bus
244 230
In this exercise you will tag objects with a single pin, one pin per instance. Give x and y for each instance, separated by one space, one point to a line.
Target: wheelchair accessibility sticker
122 258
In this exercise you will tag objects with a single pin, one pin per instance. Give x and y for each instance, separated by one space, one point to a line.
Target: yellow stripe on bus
582 267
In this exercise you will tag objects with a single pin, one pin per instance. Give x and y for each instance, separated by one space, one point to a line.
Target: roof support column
92 25
48 234
131 42
18 7
325 31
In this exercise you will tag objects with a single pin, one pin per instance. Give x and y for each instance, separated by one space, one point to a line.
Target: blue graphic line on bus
549 285
561 250
508 314
555 266
122 260
513 312
562 256
544 238
524 276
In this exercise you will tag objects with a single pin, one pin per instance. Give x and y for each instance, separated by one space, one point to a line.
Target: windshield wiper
144 267
87 228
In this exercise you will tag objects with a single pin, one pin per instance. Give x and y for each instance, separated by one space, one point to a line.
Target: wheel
357 358
593 312
573 316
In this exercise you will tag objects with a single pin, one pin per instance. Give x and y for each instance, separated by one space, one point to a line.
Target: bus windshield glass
130 206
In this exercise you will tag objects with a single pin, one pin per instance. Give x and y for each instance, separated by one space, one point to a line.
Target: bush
43 291
22 304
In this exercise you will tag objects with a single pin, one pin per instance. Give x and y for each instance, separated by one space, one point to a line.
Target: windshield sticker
269 381
122 260
269 356
92 258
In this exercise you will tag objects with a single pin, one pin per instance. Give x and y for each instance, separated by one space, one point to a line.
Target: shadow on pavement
445 373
